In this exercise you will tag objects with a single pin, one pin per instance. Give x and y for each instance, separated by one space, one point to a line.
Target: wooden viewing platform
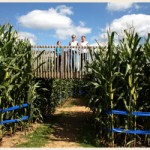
70 65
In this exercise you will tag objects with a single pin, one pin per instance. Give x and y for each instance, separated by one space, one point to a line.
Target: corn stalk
132 53
16 74
104 69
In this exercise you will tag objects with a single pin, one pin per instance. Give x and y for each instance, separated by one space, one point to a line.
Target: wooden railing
71 63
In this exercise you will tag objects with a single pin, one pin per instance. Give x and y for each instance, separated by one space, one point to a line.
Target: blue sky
45 23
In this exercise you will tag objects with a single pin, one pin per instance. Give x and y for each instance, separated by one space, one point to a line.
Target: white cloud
45 19
78 31
93 44
26 35
120 6
140 22
99 43
137 6
57 19
81 23
62 9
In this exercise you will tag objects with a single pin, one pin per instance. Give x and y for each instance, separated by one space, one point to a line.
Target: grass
38 138
85 136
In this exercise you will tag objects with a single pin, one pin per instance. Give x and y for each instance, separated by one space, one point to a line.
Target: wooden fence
70 64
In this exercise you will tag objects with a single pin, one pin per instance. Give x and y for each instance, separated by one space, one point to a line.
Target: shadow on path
71 123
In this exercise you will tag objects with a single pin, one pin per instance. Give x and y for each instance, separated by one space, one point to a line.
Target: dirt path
67 124
69 120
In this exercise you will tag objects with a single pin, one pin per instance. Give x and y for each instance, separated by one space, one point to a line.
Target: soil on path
12 140
67 123
69 120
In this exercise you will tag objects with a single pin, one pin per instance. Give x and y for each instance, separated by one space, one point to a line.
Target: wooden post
50 67
55 64
37 71
68 65
57 67
71 64
42 66
47 69
62 64
52 63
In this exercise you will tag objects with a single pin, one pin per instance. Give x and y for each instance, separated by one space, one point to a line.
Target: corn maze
115 80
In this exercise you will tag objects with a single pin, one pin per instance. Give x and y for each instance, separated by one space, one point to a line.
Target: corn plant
105 69
118 77
132 55
17 83
52 93
144 97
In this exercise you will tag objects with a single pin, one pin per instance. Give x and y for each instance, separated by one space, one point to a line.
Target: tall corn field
17 83
121 82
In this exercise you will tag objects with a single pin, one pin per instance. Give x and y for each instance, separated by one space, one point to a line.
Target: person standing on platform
73 53
84 51
58 56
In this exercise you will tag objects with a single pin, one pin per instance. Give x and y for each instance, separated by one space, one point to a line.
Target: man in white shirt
73 42
84 43
73 52
84 51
